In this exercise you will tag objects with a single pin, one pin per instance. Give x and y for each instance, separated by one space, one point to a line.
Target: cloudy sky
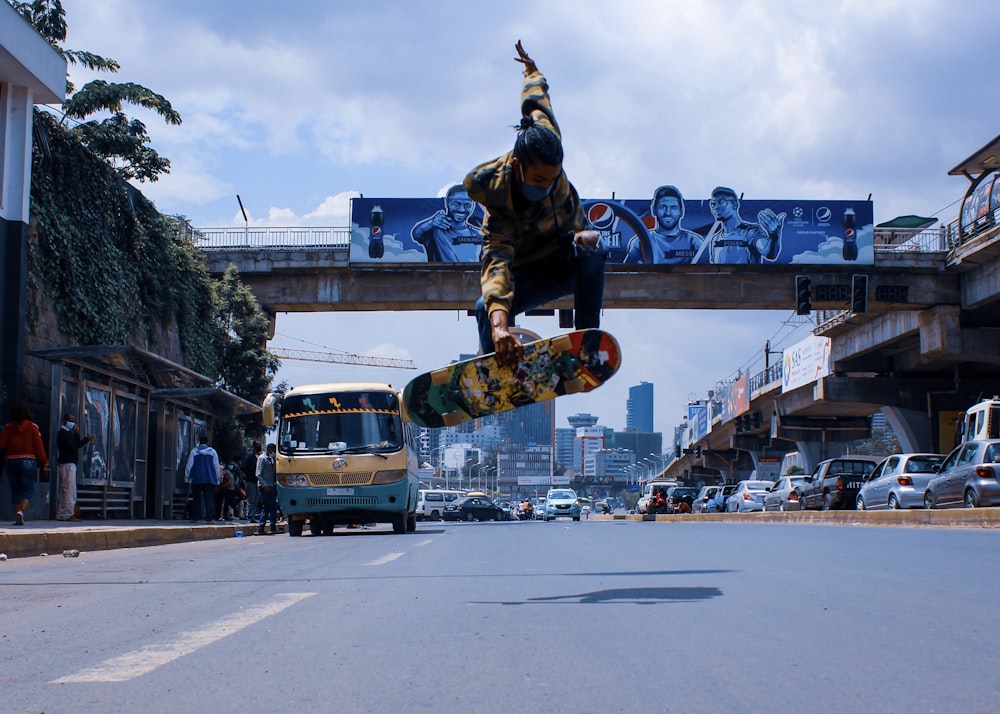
297 106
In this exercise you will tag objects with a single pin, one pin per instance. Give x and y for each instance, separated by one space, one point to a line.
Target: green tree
119 140
246 368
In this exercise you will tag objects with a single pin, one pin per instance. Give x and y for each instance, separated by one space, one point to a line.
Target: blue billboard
664 230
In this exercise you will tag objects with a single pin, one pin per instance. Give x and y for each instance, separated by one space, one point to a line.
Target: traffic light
756 420
677 451
859 293
697 451
803 295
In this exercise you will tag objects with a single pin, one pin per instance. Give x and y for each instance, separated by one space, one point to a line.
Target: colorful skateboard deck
575 362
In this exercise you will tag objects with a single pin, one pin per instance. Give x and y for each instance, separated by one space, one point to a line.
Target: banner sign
735 398
698 421
805 362
669 230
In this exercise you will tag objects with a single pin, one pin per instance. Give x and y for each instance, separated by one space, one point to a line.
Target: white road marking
423 542
139 662
388 558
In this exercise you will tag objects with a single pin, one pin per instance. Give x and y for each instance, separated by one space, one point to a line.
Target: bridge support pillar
913 428
272 322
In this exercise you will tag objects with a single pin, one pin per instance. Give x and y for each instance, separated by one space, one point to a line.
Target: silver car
704 496
748 496
969 475
784 495
899 481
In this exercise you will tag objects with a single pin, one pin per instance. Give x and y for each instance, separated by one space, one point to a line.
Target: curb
947 518
54 542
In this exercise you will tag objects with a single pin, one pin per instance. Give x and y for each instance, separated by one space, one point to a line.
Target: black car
473 508
677 495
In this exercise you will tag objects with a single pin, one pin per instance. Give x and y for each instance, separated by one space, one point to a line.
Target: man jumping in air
537 243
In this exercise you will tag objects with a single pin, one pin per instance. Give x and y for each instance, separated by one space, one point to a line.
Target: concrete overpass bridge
927 345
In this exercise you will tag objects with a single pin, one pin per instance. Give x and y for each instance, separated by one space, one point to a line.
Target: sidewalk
53 537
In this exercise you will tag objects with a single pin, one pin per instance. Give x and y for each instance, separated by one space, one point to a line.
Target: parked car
472 508
969 475
647 493
562 502
704 495
784 494
677 495
717 503
748 496
899 481
835 483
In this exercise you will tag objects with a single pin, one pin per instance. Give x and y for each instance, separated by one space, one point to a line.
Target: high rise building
578 420
639 408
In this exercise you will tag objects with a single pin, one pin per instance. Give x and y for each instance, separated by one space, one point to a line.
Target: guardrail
269 238
939 239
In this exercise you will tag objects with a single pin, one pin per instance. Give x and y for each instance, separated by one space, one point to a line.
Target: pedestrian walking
21 442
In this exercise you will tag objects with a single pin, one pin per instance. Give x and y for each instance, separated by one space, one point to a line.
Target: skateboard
579 361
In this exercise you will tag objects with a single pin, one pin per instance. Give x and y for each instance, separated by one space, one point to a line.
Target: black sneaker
18 519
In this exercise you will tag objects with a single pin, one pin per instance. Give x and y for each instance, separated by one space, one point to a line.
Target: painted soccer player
447 236
735 241
537 243
671 243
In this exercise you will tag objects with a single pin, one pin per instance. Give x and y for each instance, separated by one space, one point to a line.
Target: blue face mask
70 424
535 194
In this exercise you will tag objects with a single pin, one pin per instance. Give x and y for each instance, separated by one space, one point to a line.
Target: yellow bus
346 454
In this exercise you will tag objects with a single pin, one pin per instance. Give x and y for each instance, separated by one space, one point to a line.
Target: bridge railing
269 238
937 239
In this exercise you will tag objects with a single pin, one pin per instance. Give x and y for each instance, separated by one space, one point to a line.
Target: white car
748 496
562 502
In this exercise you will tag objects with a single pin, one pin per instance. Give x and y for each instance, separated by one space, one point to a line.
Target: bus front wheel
399 523
295 528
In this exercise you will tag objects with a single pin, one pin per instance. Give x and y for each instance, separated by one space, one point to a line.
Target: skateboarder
537 242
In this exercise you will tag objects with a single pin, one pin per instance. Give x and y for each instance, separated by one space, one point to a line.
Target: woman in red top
21 442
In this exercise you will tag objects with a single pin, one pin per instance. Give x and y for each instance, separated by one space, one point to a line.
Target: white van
431 502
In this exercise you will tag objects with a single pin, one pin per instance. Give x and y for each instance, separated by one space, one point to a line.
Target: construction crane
341 358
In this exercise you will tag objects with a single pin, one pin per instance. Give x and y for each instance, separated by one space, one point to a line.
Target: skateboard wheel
452 418
441 376
562 343
573 386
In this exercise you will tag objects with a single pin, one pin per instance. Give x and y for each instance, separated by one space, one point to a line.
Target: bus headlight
392 476
293 480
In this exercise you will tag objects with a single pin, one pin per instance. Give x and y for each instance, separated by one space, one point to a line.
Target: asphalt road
495 617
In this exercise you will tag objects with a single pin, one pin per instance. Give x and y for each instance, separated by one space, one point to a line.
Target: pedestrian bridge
307 269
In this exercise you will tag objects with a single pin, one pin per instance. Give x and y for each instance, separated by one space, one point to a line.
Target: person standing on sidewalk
21 442
202 472
68 442
268 485
249 469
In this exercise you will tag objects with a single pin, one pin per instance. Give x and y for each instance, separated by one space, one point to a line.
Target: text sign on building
805 362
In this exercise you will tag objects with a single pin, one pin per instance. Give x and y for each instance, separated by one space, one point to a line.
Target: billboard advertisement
805 362
666 229
698 421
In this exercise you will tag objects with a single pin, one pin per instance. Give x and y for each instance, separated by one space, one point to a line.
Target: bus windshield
340 423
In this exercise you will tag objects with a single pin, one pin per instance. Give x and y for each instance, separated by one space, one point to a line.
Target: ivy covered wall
110 267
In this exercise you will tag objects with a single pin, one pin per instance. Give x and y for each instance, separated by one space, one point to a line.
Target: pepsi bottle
376 220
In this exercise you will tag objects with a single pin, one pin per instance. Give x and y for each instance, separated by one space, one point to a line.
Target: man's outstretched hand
523 58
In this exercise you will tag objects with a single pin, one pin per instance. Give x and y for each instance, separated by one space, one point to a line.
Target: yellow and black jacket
516 232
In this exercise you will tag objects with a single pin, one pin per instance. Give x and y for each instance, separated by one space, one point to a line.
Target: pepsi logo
376 231
824 214
601 216
849 233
